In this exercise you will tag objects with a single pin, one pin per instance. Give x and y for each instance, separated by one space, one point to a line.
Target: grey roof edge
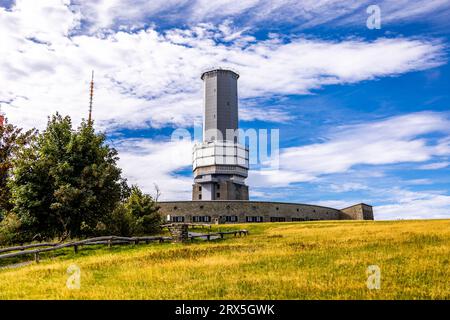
212 69
357 204
248 201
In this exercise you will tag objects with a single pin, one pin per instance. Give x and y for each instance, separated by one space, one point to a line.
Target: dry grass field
305 260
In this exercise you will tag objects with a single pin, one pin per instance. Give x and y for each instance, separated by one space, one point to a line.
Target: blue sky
363 114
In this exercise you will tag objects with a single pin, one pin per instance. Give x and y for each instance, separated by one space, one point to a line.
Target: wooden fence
108 240
38 248
219 234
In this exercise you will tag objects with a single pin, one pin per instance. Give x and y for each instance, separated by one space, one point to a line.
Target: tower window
218 195
218 187
199 188
199 197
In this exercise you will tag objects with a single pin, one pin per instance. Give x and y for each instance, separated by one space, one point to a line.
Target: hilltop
306 260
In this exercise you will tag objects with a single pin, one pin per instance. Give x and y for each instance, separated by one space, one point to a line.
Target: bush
10 229
138 215
121 222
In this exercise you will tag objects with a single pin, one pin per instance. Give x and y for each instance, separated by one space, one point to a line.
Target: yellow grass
308 260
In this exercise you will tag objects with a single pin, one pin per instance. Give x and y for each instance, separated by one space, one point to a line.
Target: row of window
235 219
201 219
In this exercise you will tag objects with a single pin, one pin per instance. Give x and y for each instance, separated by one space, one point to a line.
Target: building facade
227 211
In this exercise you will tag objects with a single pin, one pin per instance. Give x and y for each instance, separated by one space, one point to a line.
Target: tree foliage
137 215
67 182
12 139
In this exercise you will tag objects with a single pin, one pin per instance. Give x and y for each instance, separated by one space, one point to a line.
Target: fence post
36 257
75 248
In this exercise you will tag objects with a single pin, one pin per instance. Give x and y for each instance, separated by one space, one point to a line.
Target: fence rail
38 248
220 234
109 240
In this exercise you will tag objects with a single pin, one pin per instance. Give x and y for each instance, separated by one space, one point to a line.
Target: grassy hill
307 260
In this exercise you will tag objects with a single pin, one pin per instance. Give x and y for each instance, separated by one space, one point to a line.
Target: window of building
218 187
231 218
298 219
199 188
254 219
177 219
218 195
277 219
201 219
199 197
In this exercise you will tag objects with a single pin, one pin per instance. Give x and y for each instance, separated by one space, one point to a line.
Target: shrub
10 229
137 215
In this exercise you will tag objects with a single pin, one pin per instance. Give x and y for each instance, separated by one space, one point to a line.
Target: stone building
235 211
220 167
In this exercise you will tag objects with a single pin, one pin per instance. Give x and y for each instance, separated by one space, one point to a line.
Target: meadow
303 260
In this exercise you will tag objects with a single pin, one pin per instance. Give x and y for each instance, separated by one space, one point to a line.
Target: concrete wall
269 211
359 211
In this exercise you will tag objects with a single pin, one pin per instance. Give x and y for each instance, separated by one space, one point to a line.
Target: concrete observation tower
220 163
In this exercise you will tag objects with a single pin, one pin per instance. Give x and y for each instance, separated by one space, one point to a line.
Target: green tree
67 182
11 140
145 210
137 215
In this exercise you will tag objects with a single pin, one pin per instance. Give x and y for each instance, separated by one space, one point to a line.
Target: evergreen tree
11 140
136 215
144 210
67 182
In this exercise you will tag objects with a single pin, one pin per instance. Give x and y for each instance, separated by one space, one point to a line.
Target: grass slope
308 260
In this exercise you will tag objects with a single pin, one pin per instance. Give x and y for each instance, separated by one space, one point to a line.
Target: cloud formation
151 79
101 14
393 140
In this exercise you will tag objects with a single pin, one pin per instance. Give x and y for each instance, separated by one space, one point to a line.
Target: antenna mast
90 99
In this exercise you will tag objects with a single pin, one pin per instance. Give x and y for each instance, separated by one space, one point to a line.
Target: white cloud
435 165
405 204
348 186
152 79
147 162
393 140
303 14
